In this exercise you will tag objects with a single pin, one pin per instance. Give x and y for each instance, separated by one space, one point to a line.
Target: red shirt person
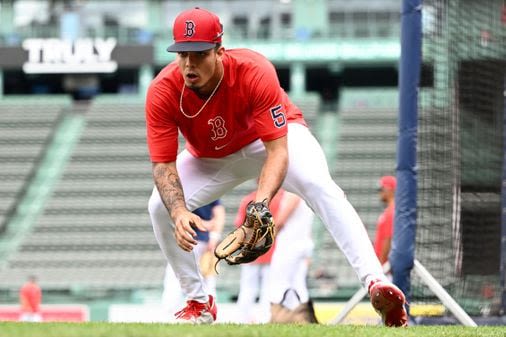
385 223
30 297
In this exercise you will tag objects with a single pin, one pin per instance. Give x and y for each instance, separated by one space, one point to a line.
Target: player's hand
185 222
252 239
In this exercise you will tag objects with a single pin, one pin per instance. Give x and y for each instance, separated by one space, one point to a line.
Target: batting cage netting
460 152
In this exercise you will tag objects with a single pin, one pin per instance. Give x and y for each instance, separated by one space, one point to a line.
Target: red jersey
384 228
249 104
30 297
241 214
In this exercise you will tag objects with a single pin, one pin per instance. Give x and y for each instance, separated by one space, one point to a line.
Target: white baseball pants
207 179
173 298
289 264
254 283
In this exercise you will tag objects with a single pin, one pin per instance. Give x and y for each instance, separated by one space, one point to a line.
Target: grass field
102 329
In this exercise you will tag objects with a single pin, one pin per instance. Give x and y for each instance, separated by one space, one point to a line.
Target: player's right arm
162 139
273 170
171 192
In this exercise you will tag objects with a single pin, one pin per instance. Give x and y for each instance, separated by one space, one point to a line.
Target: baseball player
239 124
30 298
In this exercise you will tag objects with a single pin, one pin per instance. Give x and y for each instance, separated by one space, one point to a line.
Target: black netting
460 151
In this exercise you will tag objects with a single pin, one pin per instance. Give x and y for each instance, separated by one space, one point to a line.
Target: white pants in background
30 317
289 265
254 283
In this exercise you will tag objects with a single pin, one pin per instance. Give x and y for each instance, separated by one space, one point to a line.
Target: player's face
382 195
385 195
200 70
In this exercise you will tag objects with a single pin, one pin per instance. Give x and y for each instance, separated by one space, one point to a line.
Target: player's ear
220 50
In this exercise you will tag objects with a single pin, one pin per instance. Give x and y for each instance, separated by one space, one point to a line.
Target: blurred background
75 176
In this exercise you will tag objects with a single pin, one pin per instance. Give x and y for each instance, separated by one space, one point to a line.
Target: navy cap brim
190 46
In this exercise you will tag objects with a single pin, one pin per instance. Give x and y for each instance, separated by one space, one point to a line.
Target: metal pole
503 208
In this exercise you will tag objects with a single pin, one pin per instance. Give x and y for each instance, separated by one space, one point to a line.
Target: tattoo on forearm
170 188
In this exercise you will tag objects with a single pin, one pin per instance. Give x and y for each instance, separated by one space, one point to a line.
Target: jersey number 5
278 116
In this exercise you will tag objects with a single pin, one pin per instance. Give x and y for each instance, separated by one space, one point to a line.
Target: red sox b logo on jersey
218 130
189 29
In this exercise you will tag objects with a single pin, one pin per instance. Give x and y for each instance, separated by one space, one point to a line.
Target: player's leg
264 305
294 245
184 264
200 308
172 297
308 176
284 266
248 291
300 281
203 181
302 219
209 279
211 284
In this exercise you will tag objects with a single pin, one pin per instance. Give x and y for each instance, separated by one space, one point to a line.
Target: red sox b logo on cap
195 30
189 28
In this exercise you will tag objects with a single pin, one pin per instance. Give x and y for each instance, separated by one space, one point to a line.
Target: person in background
288 292
385 223
213 216
30 298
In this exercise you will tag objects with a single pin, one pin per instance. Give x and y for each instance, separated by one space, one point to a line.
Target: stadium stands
366 151
95 231
26 127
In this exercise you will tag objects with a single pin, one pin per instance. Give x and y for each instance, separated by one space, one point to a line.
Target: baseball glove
252 239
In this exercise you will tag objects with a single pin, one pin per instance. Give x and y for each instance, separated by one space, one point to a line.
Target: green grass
103 329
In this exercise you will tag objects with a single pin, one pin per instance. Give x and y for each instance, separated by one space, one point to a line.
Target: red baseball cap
388 183
196 30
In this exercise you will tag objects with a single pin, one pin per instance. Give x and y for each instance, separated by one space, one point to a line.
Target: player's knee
317 191
316 188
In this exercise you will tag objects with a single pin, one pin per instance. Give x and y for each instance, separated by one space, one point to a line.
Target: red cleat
198 313
388 301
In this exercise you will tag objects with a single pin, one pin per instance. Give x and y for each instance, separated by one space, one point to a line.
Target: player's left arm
274 169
